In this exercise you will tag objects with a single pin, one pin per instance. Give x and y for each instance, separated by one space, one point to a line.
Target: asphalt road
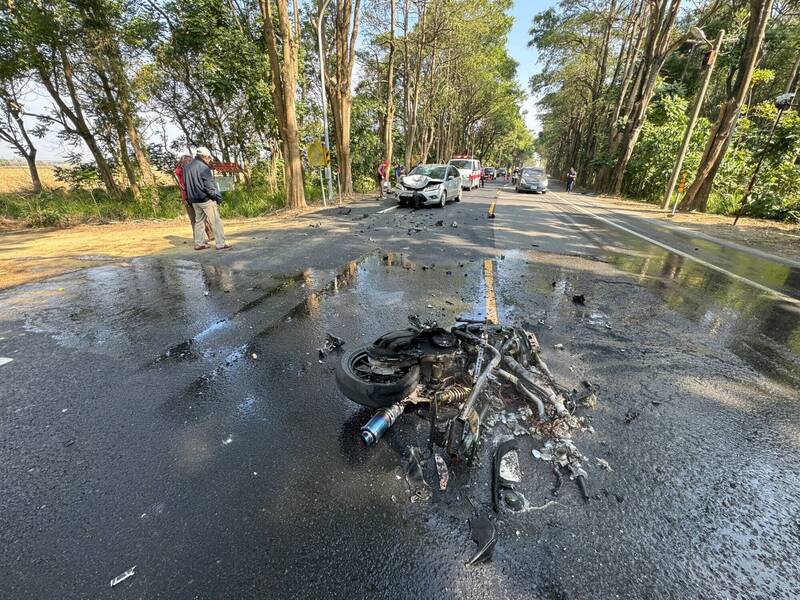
172 412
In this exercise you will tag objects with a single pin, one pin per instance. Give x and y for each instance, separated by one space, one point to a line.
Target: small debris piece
254 356
484 533
333 342
414 475
227 440
444 473
603 464
120 578
514 500
439 223
631 416
69 443
559 346
579 299
206 293
454 224
509 467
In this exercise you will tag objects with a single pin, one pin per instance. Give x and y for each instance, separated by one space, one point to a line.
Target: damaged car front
428 185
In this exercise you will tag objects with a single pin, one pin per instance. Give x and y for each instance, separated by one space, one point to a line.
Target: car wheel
460 193
356 380
443 200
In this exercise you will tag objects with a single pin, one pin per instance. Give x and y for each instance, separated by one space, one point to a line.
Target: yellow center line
491 299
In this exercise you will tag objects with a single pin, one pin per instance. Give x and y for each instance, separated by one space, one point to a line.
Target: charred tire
371 393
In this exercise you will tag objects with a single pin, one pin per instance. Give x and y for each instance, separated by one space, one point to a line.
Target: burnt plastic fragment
484 533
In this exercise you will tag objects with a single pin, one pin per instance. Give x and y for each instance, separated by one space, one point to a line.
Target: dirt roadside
780 239
33 254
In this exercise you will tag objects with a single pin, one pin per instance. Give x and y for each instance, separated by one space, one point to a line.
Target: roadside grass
64 208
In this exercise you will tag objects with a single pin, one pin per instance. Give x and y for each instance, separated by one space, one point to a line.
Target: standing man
571 178
188 206
382 174
202 192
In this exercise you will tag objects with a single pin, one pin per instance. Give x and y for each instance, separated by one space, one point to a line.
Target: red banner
228 167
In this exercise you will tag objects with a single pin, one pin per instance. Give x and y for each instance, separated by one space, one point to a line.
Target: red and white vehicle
470 169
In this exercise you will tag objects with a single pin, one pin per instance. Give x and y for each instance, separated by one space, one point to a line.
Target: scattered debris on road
120 578
330 344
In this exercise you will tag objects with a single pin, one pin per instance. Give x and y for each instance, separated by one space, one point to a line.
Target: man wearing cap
202 192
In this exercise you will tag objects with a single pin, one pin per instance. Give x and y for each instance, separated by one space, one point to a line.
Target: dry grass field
15 179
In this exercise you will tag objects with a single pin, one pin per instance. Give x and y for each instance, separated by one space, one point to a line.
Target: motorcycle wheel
358 382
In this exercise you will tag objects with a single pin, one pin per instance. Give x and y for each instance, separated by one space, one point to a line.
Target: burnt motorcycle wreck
467 381
450 373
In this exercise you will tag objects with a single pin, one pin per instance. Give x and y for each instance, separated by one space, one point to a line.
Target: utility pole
711 58
322 8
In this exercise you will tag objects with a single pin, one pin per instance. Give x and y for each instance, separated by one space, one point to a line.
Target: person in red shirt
185 160
381 175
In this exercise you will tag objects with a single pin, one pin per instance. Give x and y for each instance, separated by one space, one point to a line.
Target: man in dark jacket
202 192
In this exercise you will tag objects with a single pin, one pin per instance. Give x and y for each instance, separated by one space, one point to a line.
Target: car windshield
532 173
461 164
432 171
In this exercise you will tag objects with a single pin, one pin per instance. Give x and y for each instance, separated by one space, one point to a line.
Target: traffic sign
318 155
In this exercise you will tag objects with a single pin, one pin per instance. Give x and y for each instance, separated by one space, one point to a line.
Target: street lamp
711 58
782 103
322 8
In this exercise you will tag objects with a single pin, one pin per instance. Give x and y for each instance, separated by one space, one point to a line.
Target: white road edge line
385 210
700 261
5 361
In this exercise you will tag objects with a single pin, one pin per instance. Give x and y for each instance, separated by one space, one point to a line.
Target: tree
50 36
14 132
339 82
388 117
696 197
283 48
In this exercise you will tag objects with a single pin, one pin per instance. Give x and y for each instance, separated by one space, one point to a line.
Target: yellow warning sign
318 155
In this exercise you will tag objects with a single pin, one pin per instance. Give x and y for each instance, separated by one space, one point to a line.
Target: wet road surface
172 412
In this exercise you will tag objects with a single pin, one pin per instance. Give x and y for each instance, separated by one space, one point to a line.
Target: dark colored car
488 173
532 179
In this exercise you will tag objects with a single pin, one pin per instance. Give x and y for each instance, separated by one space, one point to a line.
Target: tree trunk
412 98
119 133
657 49
127 112
339 83
283 51
34 171
21 140
697 194
75 115
388 118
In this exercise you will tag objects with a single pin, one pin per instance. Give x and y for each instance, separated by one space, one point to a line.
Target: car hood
418 182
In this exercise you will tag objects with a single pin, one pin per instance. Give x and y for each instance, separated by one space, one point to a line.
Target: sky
51 148
523 13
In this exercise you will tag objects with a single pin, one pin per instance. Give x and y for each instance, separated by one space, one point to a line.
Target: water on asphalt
202 438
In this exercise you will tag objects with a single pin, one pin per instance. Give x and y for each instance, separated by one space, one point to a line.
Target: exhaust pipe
380 423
